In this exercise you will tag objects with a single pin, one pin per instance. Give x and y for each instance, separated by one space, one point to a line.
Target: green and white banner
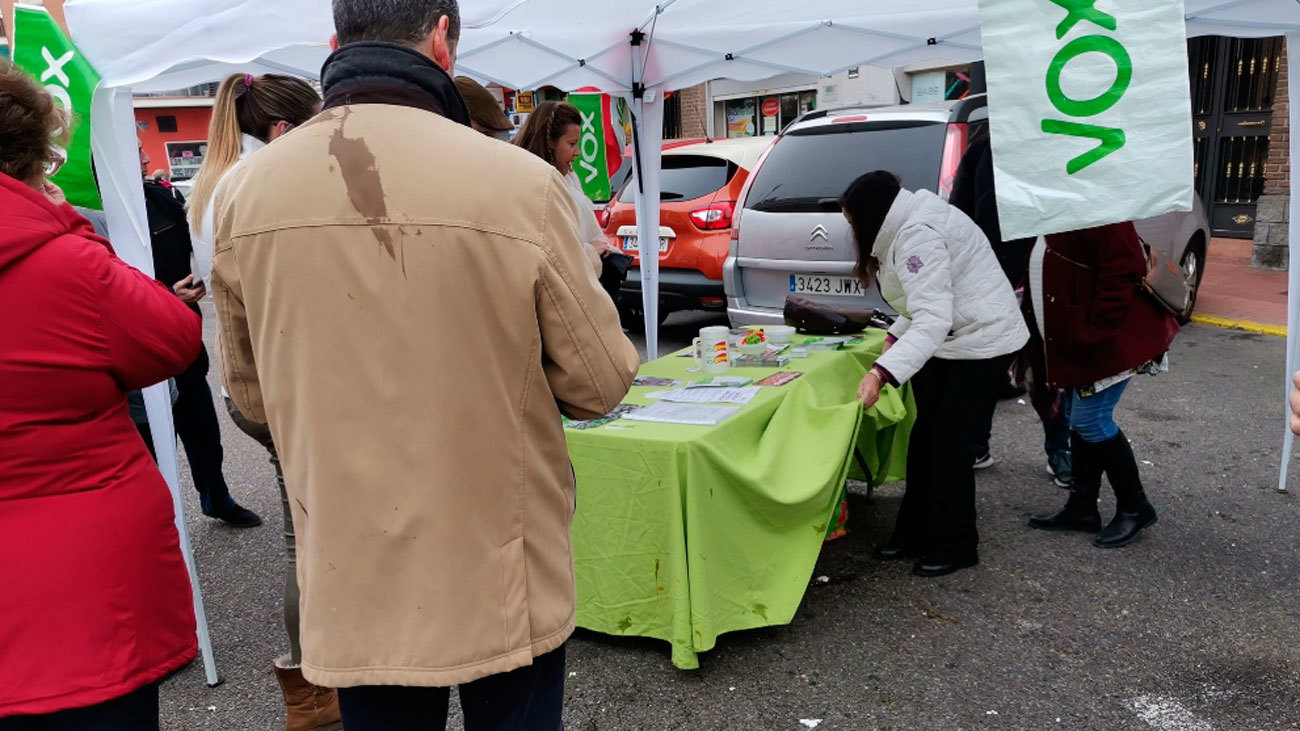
1089 110
605 124
41 48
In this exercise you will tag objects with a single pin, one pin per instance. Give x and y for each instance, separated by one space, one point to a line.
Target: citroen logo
813 239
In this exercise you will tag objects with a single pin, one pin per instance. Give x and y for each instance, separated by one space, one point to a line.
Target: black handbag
613 271
813 318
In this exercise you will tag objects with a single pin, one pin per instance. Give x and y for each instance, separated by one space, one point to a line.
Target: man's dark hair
405 22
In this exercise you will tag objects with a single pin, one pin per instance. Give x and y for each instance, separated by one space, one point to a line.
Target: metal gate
672 116
1233 80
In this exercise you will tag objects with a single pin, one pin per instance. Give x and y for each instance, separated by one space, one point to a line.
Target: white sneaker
985 462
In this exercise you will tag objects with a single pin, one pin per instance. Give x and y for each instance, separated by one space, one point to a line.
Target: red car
700 183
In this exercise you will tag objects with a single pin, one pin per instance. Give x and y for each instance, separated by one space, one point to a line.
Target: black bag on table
813 318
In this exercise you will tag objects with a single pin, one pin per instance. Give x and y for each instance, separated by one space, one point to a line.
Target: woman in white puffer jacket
958 328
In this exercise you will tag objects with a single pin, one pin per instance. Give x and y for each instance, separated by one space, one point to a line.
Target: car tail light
954 146
602 217
715 217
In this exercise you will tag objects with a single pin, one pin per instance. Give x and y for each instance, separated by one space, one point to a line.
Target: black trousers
527 699
195 418
981 445
136 711
937 516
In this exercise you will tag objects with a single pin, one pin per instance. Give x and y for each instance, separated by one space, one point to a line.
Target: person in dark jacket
194 414
975 194
1099 330
95 601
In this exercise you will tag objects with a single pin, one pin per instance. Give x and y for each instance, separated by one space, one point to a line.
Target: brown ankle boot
307 707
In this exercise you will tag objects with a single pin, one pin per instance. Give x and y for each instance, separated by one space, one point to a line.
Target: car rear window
818 163
687 177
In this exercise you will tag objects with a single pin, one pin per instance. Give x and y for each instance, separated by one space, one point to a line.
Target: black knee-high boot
1133 512
1080 511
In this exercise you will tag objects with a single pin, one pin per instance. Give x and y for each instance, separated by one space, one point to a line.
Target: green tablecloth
685 532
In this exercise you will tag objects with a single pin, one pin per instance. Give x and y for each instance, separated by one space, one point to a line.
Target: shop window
789 109
742 117
185 159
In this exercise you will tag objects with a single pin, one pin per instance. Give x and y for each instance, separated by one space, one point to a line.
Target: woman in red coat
95 603
1099 329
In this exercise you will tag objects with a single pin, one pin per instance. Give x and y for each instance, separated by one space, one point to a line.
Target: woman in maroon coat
1098 329
95 603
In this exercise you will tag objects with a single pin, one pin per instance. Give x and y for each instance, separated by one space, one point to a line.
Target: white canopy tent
635 48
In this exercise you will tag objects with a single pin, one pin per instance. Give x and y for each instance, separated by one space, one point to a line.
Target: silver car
790 238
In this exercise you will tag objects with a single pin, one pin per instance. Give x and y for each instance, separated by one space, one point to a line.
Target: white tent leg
1293 247
113 141
648 121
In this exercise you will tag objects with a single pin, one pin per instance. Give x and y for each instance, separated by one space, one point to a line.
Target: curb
1247 325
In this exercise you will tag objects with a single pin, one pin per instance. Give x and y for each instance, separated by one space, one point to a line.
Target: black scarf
370 72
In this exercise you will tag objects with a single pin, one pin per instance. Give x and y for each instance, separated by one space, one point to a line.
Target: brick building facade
694 111
1272 215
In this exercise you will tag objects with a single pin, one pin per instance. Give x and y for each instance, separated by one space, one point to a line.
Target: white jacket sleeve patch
920 259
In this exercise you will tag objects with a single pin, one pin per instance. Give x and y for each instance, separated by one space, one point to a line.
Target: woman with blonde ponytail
250 112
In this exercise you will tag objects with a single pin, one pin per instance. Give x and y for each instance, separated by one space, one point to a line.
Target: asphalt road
1195 627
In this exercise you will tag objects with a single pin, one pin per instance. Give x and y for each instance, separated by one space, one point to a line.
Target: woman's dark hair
545 126
866 202
31 123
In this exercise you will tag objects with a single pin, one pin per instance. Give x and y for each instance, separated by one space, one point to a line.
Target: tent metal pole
545 48
113 141
1293 267
462 55
659 10
467 71
647 198
638 160
783 38
943 39
618 83
669 82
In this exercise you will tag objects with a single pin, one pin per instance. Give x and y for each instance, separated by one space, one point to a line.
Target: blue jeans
1094 417
1056 428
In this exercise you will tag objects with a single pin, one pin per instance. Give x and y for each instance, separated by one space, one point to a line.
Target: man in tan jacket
421 313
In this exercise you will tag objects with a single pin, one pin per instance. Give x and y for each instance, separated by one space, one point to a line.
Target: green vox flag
40 47
591 165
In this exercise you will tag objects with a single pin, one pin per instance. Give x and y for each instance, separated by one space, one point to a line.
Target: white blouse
203 240
588 227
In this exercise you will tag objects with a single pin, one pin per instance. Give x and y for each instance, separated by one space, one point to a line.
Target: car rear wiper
792 205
